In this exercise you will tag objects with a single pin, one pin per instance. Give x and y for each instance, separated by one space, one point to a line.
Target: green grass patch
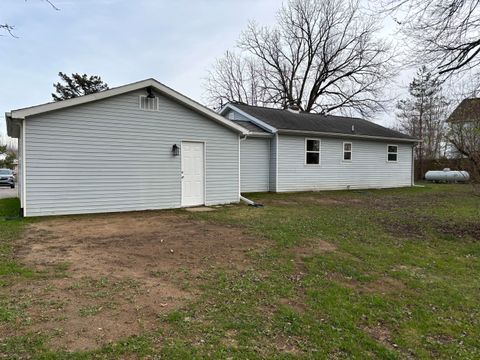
400 279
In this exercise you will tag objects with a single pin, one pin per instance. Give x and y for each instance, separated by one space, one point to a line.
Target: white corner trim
276 162
24 169
258 122
156 85
239 167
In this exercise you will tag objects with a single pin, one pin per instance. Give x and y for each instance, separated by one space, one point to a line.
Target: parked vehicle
7 178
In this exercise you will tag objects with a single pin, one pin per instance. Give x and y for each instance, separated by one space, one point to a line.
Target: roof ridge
301 112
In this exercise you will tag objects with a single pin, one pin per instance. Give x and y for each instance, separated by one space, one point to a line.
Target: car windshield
5 172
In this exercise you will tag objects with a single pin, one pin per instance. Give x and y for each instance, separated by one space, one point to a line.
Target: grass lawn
387 274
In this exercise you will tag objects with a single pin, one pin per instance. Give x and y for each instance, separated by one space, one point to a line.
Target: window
312 151
347 151
148 104
392 153
231 115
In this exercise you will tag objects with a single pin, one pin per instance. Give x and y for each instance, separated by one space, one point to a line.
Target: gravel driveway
6 192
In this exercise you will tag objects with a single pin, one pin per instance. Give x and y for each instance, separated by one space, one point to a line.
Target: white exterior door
193 173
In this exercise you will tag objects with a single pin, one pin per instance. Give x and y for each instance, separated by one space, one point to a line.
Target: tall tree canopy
442 33
320 56
423 114
77 85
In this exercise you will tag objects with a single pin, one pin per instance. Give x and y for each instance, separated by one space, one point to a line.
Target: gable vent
149 103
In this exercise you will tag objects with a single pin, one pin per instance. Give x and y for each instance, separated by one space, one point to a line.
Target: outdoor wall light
150 93
175 150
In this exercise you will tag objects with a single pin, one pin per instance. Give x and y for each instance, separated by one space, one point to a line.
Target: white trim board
204 155
258 122
344 136
24 169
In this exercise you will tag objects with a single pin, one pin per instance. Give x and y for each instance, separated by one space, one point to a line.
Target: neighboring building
468 111
73 153
305 151
464 133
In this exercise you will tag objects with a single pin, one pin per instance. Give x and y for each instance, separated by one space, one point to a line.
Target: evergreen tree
7 156
423 115
77 85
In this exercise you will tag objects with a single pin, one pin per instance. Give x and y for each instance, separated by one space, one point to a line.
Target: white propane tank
446 175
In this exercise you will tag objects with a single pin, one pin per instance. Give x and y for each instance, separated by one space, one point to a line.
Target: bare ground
115 274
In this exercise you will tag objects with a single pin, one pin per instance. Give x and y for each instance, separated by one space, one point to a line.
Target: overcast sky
124 41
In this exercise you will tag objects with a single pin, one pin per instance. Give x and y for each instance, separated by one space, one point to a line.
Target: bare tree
235 78
321 56
442 33
6 28
465 137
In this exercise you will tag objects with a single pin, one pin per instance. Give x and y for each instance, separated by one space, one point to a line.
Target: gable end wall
109 156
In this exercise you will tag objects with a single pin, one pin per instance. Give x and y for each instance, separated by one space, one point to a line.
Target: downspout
413 164
242 198
413 168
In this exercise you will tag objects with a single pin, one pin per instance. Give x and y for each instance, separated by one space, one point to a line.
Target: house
292 151
72 153
464 134
468 111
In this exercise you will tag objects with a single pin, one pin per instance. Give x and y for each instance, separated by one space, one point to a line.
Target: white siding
233 115
110 156
368 169
255 164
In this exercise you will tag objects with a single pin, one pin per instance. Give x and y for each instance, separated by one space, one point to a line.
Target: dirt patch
296 304
334 201
122 271
134 245
460 230
381 334
309 247
383 285
287 344
312 247
316 200
405 227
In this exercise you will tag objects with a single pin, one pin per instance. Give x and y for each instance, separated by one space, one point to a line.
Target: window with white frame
149 103
347 151
312 151
392 153
231 115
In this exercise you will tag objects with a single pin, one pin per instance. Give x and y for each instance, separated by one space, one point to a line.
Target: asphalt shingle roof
467 110
288 120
